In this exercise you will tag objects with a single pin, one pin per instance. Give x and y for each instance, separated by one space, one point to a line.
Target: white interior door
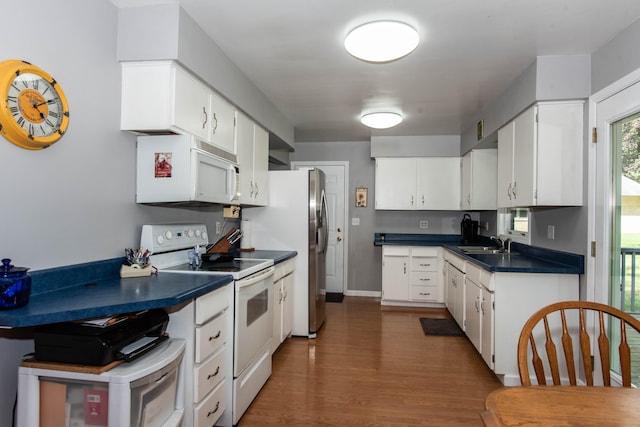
336 176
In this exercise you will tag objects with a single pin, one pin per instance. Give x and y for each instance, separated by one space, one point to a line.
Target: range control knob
204 235
190 233
160 239
198 232
168 234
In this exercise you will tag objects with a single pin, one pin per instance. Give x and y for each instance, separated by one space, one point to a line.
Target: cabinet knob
339 239
339 229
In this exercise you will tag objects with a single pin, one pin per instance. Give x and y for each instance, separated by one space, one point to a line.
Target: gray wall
616 59
73 202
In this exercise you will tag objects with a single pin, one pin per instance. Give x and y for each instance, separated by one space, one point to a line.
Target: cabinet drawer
209 411
426 293
210 337
211 304
208 375
424 278
424 264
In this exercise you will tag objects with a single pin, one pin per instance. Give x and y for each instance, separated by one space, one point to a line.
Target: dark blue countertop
277 256
529 259
95 289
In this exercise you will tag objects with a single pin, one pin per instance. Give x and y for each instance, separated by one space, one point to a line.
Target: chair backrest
554 319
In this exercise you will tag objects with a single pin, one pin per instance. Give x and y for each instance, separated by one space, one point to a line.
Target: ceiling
470 52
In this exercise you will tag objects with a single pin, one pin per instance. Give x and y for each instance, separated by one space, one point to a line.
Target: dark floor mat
334 297
442 327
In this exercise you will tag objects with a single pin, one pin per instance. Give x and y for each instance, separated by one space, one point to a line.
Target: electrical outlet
355 221
551 232
424 224
218 228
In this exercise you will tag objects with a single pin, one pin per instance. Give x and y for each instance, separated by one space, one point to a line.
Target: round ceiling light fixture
381 41
383 120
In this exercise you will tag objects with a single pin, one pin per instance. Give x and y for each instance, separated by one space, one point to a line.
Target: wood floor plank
373 366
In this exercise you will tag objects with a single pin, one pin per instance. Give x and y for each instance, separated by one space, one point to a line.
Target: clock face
34 112
35 105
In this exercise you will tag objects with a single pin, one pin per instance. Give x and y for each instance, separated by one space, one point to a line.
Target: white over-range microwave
179 169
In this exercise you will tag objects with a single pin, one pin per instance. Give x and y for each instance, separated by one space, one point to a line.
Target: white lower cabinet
411 276
283 303
493 307
479 311
455 287
205 324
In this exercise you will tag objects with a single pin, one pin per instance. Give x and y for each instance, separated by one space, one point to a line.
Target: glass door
615 218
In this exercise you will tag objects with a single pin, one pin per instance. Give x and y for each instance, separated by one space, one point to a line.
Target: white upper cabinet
161 97
252 143
426 183
395 182
540 157
222 124
479 180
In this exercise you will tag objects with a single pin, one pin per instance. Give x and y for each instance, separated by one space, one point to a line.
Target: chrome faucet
501 242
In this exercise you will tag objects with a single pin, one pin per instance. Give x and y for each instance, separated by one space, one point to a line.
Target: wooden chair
600 312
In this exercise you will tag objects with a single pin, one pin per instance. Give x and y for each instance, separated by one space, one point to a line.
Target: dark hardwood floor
373 366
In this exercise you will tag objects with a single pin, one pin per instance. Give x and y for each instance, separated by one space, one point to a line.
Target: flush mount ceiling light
381 120
381 41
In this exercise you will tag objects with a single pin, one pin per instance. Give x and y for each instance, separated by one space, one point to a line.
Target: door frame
595 270
345 253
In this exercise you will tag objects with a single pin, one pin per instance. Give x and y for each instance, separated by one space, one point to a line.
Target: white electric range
180 248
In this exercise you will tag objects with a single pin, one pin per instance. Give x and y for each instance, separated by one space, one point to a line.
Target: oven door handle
255 278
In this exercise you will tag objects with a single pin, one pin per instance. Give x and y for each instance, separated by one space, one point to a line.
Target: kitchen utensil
15 285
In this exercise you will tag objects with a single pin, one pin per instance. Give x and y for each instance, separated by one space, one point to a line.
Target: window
515 224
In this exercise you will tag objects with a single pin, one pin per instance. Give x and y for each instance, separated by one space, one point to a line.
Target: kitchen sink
472 250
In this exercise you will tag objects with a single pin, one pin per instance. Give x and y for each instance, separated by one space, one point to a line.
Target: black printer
101 341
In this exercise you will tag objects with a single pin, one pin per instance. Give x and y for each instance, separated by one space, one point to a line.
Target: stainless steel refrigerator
296 219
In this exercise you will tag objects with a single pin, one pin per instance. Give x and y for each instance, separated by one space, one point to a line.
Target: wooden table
562 406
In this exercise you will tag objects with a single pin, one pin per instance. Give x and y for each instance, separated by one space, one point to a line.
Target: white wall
73 202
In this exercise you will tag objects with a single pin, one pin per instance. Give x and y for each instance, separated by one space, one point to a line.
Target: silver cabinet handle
204 117
215 127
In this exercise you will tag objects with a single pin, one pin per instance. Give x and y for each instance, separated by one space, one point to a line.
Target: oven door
253 317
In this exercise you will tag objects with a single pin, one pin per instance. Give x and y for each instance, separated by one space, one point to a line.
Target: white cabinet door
192 107
287 309
222 124
560 152
473 326
278 304
395 182
540 157
505 166
455 295
244 147
524 159
438 183
487 319
252 144
395 273
260 166
479 179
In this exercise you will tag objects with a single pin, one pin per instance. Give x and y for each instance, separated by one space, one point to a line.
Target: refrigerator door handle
325 222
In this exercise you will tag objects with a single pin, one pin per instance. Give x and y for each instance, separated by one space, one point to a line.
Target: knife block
222 246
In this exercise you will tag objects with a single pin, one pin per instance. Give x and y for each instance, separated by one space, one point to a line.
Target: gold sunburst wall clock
34 113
